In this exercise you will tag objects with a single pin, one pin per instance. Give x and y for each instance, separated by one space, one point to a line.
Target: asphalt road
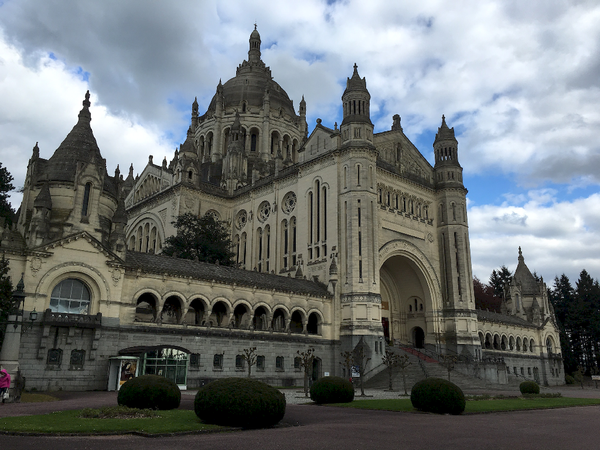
315 427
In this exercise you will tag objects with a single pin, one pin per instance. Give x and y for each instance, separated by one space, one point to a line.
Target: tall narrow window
86 199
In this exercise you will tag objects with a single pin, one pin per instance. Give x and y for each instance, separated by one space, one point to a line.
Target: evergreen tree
562 298
6 186
498 279
201 239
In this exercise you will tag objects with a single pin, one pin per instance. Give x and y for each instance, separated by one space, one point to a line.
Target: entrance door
418 337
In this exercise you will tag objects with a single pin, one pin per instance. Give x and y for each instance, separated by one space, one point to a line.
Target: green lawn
174 421
480 406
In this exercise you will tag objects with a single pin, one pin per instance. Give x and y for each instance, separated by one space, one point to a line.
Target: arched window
70 296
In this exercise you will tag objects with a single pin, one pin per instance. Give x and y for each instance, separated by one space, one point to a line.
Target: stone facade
340 236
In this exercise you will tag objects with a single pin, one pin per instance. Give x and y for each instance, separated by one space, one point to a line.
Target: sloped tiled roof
489 316
161 264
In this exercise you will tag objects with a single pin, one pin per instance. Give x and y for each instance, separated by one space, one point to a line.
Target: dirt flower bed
117 412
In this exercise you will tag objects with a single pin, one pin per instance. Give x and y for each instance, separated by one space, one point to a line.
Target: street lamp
18 297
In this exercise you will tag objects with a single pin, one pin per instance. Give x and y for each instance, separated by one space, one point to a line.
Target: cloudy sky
519 81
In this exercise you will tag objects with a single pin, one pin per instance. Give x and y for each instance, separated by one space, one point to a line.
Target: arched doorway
418 337
406 301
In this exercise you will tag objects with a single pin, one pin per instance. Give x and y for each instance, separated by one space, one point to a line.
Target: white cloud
556 236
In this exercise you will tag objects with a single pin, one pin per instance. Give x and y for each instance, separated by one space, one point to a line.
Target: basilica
342 238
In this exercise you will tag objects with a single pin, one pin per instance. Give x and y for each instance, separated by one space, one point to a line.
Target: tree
347 359
449 361
200 238
306 363
498 279
390 360
360 357
250 358
484 296
403 364
6 186
6 300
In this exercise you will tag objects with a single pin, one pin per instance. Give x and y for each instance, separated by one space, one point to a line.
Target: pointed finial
255 25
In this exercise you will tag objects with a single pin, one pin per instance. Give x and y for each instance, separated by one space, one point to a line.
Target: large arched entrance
406 302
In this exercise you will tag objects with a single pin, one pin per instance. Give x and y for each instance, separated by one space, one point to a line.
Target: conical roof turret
79 146
523 276
356 83
444 133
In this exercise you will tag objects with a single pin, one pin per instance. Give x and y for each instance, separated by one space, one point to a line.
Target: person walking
4 384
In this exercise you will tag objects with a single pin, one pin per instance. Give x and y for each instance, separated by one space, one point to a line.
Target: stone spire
79 146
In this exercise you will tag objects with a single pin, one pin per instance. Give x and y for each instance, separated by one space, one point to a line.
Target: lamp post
11 346
18 305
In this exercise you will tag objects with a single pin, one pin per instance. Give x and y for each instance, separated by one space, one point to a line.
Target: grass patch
71 422
480 406
30 397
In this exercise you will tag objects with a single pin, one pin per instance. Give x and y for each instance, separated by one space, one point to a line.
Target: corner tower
455 252
359 250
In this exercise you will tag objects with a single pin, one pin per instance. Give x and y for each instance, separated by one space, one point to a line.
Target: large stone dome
252 82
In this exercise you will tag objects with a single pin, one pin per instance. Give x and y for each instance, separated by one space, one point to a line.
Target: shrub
240 402
332 390
569 379
438 396
149 392
529 387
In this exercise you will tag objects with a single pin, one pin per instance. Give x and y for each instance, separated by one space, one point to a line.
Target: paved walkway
314 427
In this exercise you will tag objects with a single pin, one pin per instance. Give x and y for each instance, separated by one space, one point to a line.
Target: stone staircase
422 366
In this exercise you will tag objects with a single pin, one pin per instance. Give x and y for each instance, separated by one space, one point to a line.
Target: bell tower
360 299
453 237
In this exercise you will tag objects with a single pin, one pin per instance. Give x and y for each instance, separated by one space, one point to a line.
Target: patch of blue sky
52 56
82 74
490 189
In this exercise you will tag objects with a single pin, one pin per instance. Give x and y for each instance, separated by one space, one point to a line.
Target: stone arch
280 319
488 341
241 314
196 311
219 313
503 342
142 241
314 322
297 320
496 341
260 317
172 308
146 306
418 337
90 276
511 343
406 274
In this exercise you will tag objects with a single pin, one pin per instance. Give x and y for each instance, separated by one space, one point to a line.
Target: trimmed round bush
569 379
240 402
151 392
332 390
529 387
438 396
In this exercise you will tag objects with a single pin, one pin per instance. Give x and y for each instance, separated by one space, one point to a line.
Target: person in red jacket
4 383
